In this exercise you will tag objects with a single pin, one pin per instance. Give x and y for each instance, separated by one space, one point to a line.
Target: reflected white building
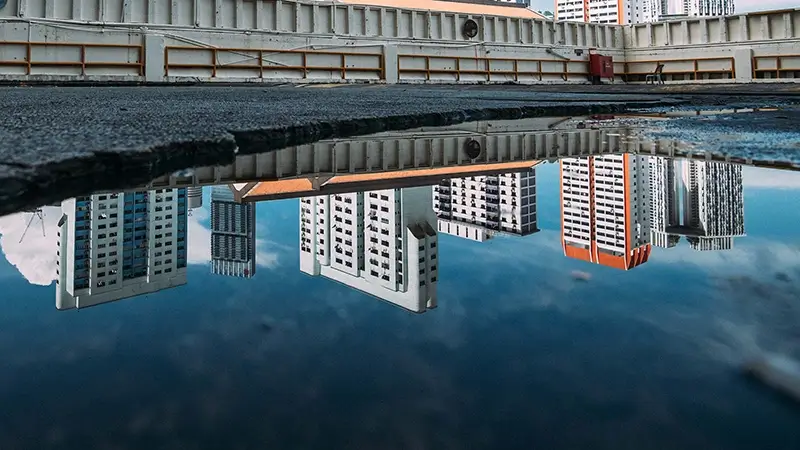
194 195
380 242
233 235
701 200
478 207
115 246
604 210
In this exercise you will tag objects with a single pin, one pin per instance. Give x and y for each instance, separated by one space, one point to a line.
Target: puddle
499 283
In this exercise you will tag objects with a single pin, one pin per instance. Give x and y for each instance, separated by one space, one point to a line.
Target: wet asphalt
73 138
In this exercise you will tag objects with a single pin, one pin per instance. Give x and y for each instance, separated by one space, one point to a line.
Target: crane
34 214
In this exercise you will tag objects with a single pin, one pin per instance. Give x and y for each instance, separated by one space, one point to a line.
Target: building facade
605 210
478 207
381 242
120 245
638 11
704 7
700 200
194 195
599 11
653 10
233 235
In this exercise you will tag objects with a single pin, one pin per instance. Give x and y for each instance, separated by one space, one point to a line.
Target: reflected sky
525 348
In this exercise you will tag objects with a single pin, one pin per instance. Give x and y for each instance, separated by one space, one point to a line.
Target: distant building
115 246
382 243
653 10
699 200
638 11
233 235
507 8
604 210
703 7
195 196
478 207
599 11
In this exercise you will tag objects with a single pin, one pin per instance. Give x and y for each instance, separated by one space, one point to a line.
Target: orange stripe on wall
627 198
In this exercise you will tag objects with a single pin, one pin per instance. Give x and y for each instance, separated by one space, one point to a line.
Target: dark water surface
534 341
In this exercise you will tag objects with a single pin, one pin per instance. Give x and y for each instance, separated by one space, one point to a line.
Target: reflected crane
34 214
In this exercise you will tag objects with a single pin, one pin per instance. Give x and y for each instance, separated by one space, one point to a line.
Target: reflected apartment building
700 200
233 234
120 245
604 210
479 207
380 242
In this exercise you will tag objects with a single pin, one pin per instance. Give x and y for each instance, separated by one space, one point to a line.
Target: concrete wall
735 48
260 40
302 40
537 139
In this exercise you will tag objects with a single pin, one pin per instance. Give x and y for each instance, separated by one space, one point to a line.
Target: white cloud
199 251
756 177
743 6
35 257
750 255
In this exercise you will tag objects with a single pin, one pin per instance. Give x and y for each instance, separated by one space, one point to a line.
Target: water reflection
615 207
477 208
701 200
380 242
649 354
383 242
233 234
120 245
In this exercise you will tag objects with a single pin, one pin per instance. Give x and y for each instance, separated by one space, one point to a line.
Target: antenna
34 214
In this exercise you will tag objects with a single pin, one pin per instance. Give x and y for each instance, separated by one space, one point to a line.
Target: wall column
154 48
390 64
743 64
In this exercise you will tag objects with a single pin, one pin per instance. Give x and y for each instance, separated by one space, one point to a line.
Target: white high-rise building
638 11
700 200
599 11
115 246
652 10
703 7
195 196
604 210
381 242
478 207
233 234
